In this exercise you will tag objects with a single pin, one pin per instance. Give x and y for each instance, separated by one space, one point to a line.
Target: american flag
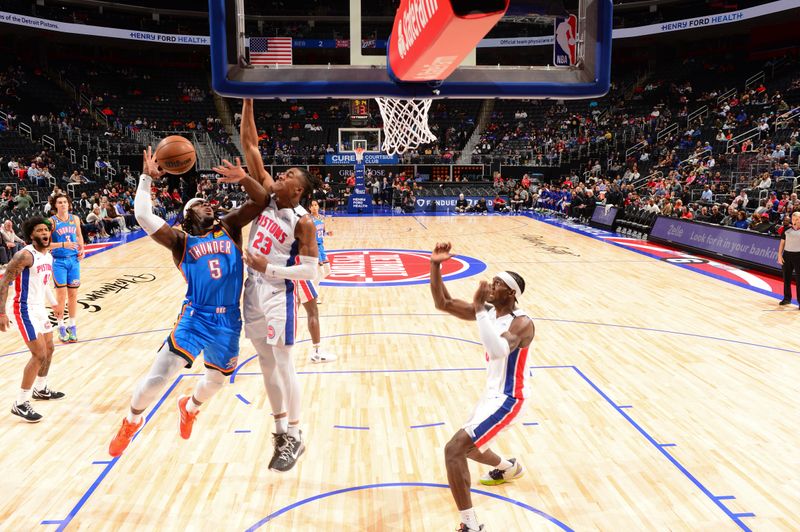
270 50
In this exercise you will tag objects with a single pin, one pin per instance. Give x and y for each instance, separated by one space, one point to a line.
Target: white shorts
492 416
270 310
30 320
307 290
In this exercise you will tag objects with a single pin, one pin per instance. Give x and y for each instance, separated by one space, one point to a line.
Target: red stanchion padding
431 38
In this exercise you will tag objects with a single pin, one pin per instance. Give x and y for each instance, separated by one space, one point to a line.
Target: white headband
510 282
190 203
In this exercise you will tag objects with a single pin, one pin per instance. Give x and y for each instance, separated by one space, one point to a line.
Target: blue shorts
215 334
66 272
323 256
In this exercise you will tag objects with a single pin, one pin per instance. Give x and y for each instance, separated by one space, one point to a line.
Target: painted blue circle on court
393 267
277 513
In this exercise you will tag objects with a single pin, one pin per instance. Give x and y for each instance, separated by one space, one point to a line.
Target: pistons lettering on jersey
212 247
272 228
44 268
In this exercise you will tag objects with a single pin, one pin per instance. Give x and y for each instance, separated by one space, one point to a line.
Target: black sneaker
287 456
279 443
26 412
47 395
785 302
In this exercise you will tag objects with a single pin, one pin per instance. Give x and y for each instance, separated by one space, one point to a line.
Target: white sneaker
320 355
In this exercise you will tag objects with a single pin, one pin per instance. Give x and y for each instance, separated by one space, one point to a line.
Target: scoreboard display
359 109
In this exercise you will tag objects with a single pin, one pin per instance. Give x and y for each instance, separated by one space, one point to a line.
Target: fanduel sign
369 158
448 203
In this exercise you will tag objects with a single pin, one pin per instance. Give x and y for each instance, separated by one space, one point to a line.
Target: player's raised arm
441 297
308 256
152 224
252 155
235 174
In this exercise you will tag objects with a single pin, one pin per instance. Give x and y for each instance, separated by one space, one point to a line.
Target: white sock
61 322
469 518
40 383
134 418
71 322
316 348
280 425
24 395
504 464
191 406
294 431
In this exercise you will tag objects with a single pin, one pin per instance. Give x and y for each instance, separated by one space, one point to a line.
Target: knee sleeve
273 382
165 367
210 384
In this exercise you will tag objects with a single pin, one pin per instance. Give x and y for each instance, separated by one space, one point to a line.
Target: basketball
175 154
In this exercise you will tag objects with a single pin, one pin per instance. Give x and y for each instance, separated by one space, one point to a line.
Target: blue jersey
64 232
319 225
212 267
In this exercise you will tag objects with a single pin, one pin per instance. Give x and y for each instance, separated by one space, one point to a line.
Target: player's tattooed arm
441 297
21 260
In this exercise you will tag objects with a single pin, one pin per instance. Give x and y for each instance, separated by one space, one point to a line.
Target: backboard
340 51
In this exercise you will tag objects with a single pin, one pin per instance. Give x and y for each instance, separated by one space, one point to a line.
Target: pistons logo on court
393 267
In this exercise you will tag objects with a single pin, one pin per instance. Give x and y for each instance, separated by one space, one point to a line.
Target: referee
789 258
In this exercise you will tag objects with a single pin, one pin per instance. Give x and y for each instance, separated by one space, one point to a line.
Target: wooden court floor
663 400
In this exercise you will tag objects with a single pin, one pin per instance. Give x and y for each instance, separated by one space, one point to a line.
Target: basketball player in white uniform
506 333
30 271
282 249
309 293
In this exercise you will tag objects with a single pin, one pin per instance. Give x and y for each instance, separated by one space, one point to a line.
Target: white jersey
31 284
507 376
272 235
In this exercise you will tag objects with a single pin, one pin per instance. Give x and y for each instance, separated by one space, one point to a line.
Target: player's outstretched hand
230 173
150 166
441 252
255 262
4 323
481 295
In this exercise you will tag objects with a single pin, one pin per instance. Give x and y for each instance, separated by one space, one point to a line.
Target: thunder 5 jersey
212 267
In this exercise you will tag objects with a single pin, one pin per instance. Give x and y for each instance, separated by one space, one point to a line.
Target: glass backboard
540 49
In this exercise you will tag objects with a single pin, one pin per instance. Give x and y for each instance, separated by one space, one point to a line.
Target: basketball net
359 154
405 124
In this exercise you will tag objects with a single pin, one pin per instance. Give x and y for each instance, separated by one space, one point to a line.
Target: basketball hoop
359 154
405 124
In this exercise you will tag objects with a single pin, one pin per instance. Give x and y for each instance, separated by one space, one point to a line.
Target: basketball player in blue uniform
30 271
67 250
209 255
506 333
308 291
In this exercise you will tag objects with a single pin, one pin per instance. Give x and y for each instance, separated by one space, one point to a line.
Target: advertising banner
743 245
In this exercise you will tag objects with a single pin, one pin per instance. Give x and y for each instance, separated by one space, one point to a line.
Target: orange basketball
175 154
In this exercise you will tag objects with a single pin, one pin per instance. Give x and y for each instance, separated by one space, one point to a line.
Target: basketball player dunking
30 271
506 333
208 254
282 249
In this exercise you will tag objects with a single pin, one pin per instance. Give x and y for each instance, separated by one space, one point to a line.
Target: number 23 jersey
272 235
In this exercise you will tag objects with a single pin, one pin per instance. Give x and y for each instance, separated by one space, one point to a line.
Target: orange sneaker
124 436
187 419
